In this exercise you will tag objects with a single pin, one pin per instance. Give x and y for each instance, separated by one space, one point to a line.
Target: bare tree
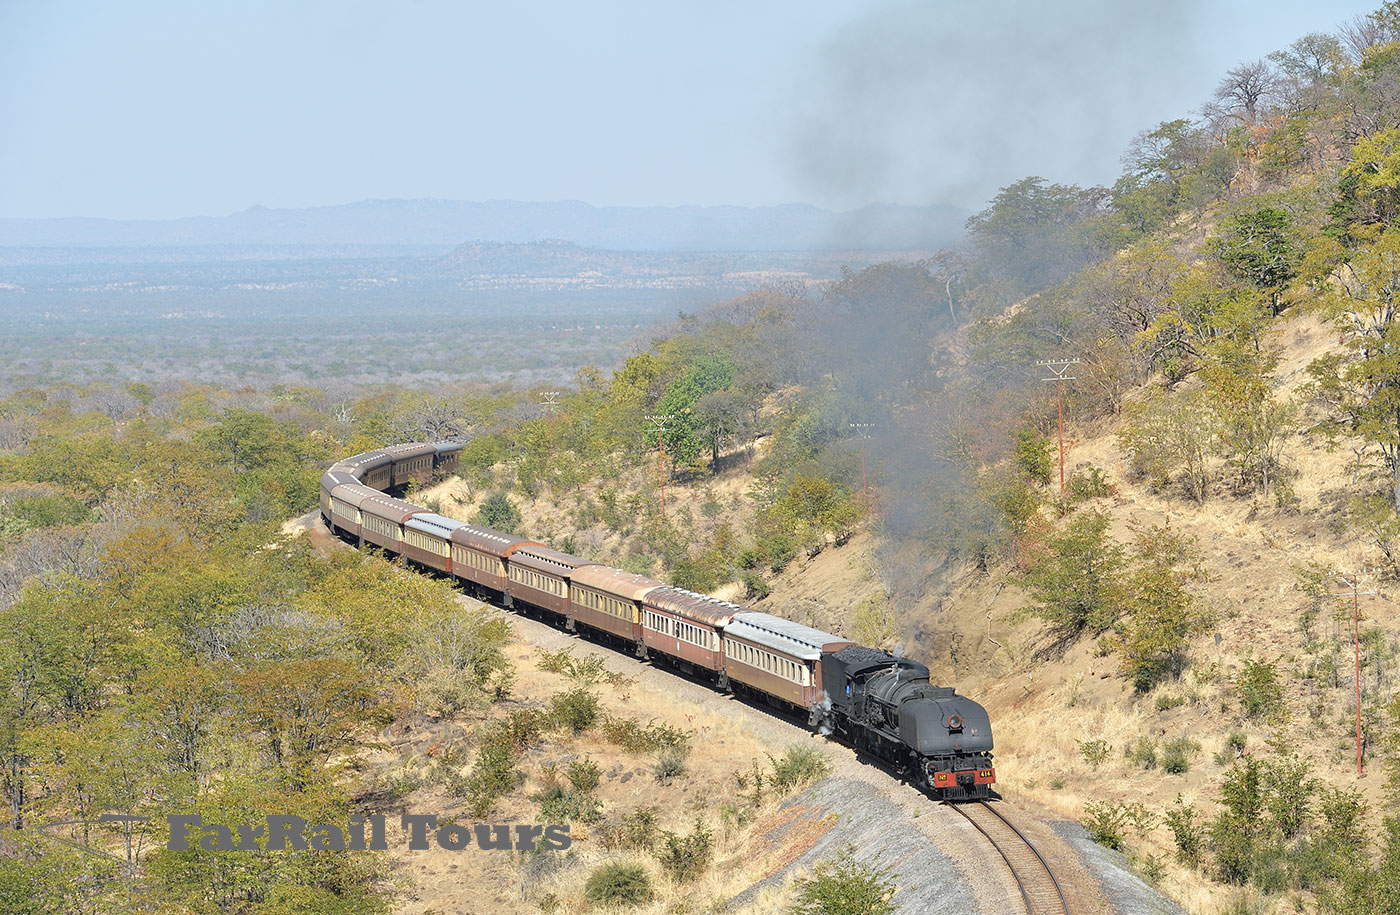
1245 86
1358 35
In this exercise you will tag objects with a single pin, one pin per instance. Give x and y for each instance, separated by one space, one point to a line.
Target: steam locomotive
882 705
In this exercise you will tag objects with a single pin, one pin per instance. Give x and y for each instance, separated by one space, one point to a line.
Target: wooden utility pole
550 400
659 421
1354 580
863 430
1058 368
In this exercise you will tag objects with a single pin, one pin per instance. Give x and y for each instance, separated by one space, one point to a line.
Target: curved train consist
878 703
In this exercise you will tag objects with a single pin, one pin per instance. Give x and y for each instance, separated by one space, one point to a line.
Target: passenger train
880 704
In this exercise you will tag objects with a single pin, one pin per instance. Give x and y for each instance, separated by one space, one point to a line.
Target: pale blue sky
142 109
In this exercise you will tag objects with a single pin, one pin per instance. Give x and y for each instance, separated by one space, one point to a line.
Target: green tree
1162 613
1076 582
1167 437
1262 247
689 428
1362 384
498 512
1374 173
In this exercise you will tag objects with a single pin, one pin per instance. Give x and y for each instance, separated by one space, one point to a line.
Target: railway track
1040 891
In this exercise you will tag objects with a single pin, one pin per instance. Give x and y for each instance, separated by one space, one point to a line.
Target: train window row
380 526
766 660
686 632
488 564
415 464
604 604
533 579
424 542
345 510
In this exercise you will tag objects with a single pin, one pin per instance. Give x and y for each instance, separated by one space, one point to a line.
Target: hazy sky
147 109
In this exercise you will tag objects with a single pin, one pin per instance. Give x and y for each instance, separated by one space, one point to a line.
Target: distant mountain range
445 224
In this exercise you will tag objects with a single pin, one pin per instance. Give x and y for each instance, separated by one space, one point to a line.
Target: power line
863 430
658 422
1057 368
1354 580
549 401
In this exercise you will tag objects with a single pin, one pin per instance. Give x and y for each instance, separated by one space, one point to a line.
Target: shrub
1166 703
685 858
635 737
618 884
636 830
1076 584
1034 457
1181 820
845 887
494 775
755 586
584 774
800 764
445 692
1107 821
498 512
1260 693
558 805
670 765
1234 746
1177 755
1095 751
1091 484
1143 752
574 710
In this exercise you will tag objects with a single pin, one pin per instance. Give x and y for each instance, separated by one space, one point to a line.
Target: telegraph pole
863 430
1354 580
1058 368
550 400
658 422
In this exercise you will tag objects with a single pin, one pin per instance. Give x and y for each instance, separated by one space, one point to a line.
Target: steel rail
1031 907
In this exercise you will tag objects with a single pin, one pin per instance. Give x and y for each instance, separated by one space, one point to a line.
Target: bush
1095 751
800 764
1092 484
635 737
494 775
1177 755
1107 821
1076 584
845 887
670 765
1143 753
1181 820
575 710
1166 703
618 884
1234 746
685 858
584 774
637 830
498 512
558 805
756 588
1260 693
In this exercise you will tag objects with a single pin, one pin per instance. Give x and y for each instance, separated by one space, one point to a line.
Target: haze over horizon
159 110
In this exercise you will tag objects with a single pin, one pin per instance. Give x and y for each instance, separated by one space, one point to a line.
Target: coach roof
785 636
699 607
626 585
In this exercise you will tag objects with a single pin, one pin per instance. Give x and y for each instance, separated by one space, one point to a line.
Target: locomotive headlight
954 722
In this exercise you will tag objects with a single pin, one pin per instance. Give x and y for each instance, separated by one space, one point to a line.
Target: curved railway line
1040 891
